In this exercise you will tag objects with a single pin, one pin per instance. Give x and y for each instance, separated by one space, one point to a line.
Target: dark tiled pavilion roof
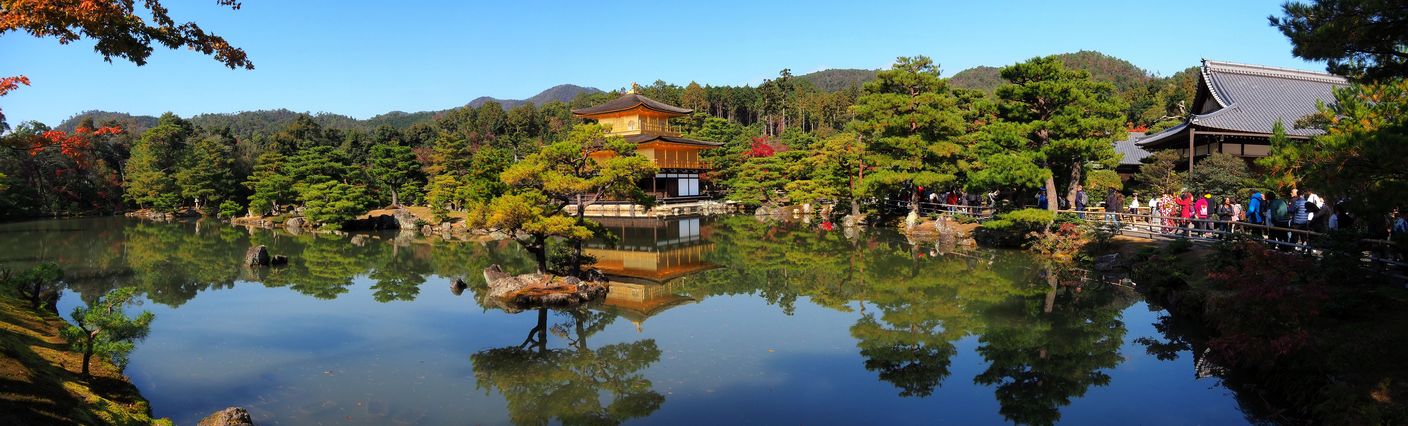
629 101
643 138
1131 150
1251 98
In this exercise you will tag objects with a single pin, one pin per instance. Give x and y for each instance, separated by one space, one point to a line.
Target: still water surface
719 321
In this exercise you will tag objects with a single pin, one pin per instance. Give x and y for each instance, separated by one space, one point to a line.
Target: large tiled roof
640 139
1253 97
629 101
1131 150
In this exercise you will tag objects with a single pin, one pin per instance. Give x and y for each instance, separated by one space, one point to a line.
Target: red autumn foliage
760 148
76 146
11 83
6 85
1268 309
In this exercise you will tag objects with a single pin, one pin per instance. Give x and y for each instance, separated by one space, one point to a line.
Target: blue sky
362 58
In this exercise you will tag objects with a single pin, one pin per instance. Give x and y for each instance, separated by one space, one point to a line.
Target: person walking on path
1154 216
1168 210
1236 215
1340 219
1300 217
1314 205
1185 211
1081 201
1278 215
1226 214
1112 206
1254 209
1201 212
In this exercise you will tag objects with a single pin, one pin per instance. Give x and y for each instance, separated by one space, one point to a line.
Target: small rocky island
536 290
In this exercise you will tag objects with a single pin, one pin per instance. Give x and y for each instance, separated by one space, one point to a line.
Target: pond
723 320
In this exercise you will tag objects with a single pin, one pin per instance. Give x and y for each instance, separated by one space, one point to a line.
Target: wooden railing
1155 226
659 129
679 164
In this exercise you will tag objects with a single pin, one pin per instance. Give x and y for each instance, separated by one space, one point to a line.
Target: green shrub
1011 229
230 209
1179 246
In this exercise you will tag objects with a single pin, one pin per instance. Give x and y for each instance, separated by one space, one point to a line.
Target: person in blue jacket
1254 208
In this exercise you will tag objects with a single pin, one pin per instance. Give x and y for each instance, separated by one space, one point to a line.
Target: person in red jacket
1185 210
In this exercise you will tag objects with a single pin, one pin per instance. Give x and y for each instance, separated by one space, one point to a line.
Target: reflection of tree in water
1040 360
569 384
398 274
914 358
468 261
915 309
319 265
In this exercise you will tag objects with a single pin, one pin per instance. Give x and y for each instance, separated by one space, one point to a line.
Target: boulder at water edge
233 416
404 219
257 256
539 290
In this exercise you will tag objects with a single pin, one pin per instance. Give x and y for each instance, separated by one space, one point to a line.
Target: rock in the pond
278 260
233 416
295 223
457 286
257 256
534 290
404 219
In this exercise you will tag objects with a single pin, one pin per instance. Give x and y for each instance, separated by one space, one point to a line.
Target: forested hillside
264 161
984 78
558 93
832 80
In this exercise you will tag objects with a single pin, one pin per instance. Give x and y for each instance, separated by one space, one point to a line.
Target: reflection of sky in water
296 359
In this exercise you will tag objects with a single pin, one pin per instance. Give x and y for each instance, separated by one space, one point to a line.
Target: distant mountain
831 80
1124 75
246 123
983 78
560 93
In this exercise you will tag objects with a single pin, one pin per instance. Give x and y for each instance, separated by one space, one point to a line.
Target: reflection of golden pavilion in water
646 264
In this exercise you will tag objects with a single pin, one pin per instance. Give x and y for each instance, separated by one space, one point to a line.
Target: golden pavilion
646 123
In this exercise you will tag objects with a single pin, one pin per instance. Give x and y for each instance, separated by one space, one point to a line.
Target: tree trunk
1051 204
1071 187
87 355
395 202
577 243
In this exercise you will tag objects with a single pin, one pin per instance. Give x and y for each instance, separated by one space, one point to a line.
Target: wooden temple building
646 123
646 265
1237 105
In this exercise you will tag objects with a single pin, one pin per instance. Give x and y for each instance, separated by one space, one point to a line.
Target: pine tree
207 175
103 328
270 183
1069 119
151 168
392 167
909 120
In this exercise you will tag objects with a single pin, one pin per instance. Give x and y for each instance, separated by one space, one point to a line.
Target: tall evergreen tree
271 185
207 171
150 171
1070 121
393 169
908 119
1358 38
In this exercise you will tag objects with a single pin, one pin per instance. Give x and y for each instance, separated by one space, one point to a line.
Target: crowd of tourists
1288 219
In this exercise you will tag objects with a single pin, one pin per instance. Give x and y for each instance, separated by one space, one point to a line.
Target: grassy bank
40 382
